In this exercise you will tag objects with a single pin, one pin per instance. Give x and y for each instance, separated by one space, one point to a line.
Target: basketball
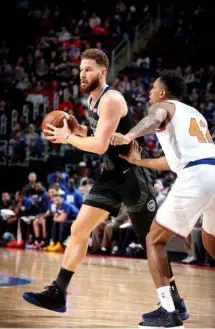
55 118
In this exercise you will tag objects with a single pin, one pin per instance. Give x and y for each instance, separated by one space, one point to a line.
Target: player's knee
154 238
36 222
78 233
150 239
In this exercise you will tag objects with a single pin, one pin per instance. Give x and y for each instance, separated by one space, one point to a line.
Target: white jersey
186 137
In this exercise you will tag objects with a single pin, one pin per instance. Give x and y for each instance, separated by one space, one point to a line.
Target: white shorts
192 195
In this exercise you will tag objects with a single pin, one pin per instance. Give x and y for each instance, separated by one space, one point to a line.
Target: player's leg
208 228
142 214
55 297
97 205
178 215
88 218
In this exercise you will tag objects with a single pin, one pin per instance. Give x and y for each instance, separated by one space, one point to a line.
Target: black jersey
111 157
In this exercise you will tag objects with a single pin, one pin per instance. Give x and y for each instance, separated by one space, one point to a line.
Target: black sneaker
181 307
52 298
164 320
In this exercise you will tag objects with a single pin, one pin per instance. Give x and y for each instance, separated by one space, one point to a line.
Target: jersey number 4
195 131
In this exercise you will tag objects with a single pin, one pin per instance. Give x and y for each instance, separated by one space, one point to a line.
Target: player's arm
156 116
111 109
159 164
134 157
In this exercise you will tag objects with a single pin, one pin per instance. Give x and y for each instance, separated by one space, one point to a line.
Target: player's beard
89 87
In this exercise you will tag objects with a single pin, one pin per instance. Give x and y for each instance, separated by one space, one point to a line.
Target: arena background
39 59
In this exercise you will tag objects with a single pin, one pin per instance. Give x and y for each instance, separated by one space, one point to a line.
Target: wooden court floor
105 292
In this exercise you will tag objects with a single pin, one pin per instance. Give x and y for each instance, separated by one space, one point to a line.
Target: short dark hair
97 55
173 82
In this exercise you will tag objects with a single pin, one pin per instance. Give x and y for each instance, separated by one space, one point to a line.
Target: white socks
165 296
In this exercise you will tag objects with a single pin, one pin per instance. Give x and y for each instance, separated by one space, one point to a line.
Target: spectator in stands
64 216
40 200
42 69
104 236
60 177
6 202
29 189
31 136
58 189
73 195
41 222
18 148
94 21
39 205
7 215
64 35
23 211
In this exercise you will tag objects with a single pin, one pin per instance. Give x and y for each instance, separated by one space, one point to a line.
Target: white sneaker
65 242
189 260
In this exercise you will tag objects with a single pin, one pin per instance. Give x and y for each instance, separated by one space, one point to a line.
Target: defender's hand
134 153
119 139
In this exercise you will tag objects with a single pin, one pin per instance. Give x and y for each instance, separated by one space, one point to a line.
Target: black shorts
130 187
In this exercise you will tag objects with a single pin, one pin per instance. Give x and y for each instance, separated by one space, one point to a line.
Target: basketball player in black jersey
119 181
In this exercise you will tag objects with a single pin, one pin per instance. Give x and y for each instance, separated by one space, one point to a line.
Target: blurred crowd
39 216
42 73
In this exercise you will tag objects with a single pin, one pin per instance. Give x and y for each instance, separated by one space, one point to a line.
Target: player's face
157 92
91 75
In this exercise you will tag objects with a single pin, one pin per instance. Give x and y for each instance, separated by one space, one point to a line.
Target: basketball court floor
105 292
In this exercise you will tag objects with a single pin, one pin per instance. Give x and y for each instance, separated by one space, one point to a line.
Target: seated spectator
18 148
22 208
6 202
104 235
59 176
57 188
73 195
94 21
64 216
7 215
29 189
64 35
189 247
41 240
42 69
39 205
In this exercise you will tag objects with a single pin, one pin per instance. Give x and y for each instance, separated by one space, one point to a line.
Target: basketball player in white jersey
190 152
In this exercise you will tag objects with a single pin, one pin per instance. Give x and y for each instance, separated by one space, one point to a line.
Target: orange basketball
55 118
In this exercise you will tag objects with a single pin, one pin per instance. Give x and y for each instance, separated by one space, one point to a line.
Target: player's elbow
102 147
156 122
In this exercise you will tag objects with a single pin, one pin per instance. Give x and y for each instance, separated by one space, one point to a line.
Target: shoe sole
183 316
177 327
35 302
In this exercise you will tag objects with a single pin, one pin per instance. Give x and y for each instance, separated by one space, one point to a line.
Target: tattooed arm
156 115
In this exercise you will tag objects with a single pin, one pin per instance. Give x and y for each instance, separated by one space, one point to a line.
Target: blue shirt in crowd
74 197
69 209
52 178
